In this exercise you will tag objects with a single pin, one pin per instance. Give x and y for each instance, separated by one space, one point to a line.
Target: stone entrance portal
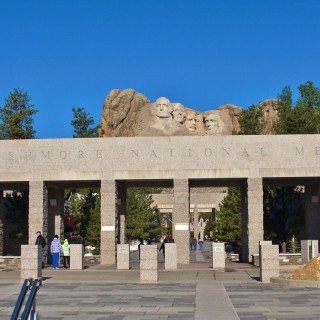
47 167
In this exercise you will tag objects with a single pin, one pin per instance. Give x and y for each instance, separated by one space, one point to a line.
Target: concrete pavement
192 292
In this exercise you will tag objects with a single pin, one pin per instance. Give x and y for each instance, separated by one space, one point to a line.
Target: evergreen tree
301 117
82 122
227 224
16 120
251 121
283 214
142 220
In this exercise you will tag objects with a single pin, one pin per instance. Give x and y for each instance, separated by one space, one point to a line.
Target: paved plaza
192 292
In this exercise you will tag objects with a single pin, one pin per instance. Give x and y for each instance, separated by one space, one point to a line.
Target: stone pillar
312 212
122 228
252 218
196 222
56 212
38 210
1 237
269 260
149 263
123 253
108 220
218 255
309 250
30 262
76 257
170 259
180 219
1 227
244 223
121 210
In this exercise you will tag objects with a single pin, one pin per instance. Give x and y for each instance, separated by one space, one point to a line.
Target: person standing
40 241
66 253
55 249
200 244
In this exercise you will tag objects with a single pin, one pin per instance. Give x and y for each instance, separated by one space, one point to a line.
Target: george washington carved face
163 107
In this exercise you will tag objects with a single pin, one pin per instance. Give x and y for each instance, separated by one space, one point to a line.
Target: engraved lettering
153 154
189 153
171 152
135 152
317 151
208 152
227 151
245 153
262 153
46 155
27 155
300 152
99 154
11 156
63 155
80 154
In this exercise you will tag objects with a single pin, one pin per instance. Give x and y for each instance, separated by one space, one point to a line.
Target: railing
29 311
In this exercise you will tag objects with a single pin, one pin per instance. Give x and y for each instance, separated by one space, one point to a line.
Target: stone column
269 260
38 210
244 223
1 226
196 222
122 228
76 257
218 255
30 262
123 253
309 250
121 209
252 219
180 219
108 220
149 263
312 212
170 259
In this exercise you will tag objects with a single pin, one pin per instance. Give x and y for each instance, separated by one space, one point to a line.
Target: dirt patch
310 271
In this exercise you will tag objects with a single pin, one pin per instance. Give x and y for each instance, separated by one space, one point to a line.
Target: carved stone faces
179 113
212 123
163 107
191 121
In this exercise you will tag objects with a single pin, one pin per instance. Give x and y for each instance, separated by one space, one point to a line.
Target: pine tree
82 122
142 221
16 120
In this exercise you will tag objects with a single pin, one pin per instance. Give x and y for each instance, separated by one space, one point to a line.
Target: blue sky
201 53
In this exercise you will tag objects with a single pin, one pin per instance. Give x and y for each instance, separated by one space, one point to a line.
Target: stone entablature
160 157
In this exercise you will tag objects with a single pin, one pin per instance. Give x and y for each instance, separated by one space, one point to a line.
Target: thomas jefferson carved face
163 107
211 122
179 113
191 121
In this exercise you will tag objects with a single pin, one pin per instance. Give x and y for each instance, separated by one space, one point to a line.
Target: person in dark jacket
40 241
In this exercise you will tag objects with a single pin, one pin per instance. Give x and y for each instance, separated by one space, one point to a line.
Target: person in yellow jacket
66 253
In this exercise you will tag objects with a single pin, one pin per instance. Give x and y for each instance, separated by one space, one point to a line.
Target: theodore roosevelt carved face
163 107
212 123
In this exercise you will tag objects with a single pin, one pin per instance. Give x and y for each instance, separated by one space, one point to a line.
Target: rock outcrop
128 113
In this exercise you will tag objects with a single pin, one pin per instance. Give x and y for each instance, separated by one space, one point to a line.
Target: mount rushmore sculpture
128 113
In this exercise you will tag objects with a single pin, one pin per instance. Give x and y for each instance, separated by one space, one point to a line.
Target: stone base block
170 261
123 257
149 275
76 257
